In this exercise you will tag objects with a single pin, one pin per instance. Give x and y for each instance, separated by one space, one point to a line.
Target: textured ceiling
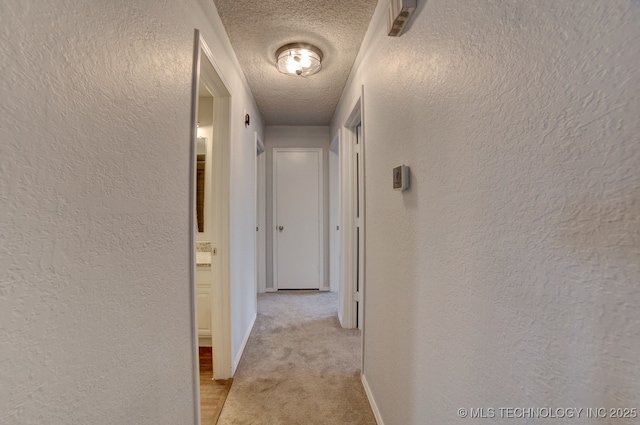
258 28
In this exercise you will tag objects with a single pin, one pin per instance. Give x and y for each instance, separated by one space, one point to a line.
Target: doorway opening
209 224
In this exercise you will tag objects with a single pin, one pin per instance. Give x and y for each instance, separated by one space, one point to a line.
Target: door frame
220 200
348 182
320 152
334 215
261 219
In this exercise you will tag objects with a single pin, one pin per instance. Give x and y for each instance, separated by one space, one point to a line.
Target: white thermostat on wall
401 177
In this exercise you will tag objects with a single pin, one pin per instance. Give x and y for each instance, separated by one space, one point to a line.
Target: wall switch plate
401 177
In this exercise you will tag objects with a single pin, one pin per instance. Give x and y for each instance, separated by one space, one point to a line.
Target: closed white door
297 187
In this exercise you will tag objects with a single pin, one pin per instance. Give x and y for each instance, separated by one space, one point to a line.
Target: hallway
506 274
299 366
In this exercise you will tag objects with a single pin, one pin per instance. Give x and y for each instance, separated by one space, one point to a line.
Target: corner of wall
372 400
243 345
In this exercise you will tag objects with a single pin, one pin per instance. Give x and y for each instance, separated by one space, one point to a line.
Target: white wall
296 137
508 274
242 226
94 292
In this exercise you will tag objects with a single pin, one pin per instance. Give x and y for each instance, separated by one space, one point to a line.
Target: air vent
400 12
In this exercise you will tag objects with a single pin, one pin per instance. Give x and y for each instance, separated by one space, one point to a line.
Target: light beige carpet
299 366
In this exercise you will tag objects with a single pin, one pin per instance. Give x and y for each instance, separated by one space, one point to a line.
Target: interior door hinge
356 296
215 251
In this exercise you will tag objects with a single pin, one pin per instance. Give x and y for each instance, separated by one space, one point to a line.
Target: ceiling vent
400 12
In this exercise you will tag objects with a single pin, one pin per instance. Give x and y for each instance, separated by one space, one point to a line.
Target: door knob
281 228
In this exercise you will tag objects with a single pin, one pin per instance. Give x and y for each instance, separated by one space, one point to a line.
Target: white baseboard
236 361
372 401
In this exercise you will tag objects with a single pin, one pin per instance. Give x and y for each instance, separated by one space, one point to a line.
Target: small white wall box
400 12
401 177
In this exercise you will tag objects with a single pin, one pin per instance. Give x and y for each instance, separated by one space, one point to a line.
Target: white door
297 193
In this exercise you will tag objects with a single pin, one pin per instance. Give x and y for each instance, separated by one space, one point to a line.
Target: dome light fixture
299 59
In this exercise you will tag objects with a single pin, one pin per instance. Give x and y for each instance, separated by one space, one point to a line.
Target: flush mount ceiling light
299 59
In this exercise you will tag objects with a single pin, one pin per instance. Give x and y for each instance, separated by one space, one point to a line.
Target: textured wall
296 137
508 274
94 123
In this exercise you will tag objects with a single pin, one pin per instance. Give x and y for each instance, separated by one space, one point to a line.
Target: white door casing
334 215
352 220
297 213
206 71
261 218
359 226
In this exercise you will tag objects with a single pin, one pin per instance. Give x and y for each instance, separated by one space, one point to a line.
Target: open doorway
209 235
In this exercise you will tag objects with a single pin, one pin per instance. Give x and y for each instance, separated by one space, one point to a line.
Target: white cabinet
203 305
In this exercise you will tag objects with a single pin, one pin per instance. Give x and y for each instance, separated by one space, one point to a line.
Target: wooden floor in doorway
212 393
